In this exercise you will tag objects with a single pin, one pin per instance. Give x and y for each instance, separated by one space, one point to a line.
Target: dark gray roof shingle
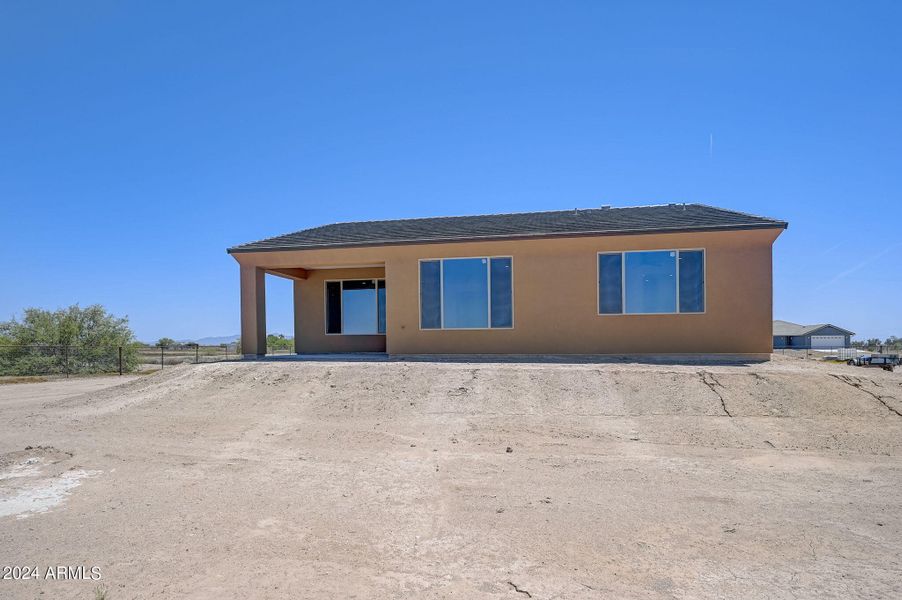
591 221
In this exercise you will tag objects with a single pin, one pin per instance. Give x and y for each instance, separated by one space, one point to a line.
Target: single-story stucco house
675 278
802 337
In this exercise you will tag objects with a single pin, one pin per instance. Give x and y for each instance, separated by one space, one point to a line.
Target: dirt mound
324 388
436 478
783 404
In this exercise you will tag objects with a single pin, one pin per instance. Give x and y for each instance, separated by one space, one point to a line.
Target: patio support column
253 310
297 316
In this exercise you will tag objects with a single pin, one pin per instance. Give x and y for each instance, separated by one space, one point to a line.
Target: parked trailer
887 362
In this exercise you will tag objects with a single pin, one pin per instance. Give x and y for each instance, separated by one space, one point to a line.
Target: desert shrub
74 340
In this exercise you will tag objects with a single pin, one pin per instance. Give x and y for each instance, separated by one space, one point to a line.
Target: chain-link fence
66 361
822 353
849 355
153 357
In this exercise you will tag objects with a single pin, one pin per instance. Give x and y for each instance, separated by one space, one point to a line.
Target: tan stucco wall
555 297
310 314
253 309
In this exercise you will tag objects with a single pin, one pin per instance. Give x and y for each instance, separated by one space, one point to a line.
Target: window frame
441 281
375 281
622 254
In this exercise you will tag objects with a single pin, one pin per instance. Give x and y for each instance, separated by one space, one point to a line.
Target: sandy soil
437 480
30 394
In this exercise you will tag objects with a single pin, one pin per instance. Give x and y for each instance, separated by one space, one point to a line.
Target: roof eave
456 240
812 331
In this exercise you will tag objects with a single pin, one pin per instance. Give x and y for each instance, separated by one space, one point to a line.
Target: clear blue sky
140 139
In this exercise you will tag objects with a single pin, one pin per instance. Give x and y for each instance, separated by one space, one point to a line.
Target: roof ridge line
500 214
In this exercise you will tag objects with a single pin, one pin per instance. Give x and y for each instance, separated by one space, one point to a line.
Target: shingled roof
788 328
560 223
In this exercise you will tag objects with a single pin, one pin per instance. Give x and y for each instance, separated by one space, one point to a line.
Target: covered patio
336 308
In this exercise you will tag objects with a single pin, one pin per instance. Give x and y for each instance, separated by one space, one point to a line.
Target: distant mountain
214 341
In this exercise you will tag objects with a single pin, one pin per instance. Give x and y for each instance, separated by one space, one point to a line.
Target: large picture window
466 293
651 282
355 307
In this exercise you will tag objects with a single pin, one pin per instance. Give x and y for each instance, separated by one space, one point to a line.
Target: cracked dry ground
393 479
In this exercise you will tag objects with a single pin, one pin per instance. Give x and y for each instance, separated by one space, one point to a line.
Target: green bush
71 340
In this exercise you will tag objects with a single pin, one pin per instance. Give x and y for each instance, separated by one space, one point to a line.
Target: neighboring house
822 335
675 278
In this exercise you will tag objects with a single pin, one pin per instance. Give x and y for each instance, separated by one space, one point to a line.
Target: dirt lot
436 480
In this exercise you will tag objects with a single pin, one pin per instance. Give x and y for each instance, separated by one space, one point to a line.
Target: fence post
120 361
161 358
66 352
196 352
